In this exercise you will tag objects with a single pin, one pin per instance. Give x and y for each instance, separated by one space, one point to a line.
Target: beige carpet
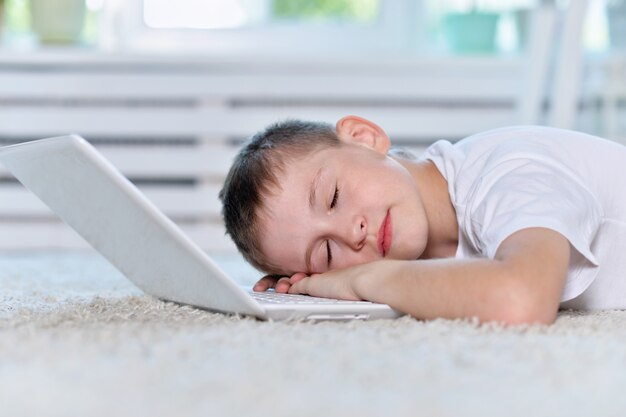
76 339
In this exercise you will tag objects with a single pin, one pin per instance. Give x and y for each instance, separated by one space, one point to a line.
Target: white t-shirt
505 180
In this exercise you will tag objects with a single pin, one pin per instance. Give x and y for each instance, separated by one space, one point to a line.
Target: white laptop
113 216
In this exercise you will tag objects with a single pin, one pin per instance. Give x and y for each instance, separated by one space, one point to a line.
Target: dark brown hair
255 174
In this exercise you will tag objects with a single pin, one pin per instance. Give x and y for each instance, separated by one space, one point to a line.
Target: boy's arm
523 284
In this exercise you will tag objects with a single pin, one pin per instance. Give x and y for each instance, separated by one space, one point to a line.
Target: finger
297 277
300 287
265 283
283 285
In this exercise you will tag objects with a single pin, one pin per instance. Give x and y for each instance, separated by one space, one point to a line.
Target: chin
405 256
414 253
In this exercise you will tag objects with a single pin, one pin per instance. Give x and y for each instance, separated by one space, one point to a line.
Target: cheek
410 230
421 239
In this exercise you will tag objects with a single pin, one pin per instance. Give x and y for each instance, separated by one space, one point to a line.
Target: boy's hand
354 283
280 285
338 284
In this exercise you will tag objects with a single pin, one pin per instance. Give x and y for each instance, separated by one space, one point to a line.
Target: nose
358 232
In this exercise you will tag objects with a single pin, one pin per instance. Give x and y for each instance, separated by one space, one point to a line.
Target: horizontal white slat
211 160
430 85
417 123
59 236
196 161
105 60
176 202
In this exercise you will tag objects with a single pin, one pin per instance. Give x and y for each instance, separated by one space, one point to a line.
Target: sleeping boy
507 225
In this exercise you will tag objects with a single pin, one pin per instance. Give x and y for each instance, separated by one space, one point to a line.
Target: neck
443 230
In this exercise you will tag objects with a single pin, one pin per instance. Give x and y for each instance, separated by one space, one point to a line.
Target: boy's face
343 206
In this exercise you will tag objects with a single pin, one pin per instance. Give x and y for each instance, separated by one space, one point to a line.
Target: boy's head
308 197
254 176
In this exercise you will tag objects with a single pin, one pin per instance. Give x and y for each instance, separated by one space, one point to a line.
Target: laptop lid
115 218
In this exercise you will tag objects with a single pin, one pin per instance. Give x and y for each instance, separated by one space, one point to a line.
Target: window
310 27
340 27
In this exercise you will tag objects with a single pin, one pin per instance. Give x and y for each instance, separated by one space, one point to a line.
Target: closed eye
333 203
335 197
328 252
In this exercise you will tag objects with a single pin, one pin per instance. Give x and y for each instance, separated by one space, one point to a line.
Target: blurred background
169 90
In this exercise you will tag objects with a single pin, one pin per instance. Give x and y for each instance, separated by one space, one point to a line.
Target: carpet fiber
77 339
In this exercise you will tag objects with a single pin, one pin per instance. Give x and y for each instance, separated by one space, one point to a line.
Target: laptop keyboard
280 298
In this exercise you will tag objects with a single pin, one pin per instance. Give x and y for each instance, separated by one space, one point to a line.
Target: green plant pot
57 21
473 32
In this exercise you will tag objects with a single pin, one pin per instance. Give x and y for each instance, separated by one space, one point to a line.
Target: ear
359 131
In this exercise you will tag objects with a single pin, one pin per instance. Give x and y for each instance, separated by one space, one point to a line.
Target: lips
384 235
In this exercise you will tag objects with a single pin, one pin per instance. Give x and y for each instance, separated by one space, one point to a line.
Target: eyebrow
312 192
313 188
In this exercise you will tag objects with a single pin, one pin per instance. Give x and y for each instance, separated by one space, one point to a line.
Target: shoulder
477 150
